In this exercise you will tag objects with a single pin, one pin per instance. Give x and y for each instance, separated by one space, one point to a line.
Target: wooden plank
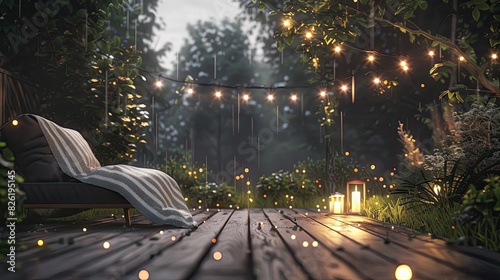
316 259
423 263
433 248
229 257
356 254
87 247
117 264
181 259
271 259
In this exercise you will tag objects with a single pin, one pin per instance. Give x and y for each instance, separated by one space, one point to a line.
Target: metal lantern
336 203
356 195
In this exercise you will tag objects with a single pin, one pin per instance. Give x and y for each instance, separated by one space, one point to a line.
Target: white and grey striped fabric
152 192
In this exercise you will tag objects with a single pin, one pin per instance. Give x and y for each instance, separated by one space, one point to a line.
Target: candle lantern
336 203
356 195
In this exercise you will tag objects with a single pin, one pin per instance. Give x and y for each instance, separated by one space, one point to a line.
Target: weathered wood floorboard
181 260
426 263
291 244
230 255
313 257
271 259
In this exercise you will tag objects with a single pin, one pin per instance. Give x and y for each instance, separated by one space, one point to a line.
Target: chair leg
127 216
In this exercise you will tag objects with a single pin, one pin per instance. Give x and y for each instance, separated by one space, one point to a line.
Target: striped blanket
152 192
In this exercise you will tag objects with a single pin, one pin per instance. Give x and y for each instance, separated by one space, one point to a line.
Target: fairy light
246 97
15 122
218 94
431 53
143 275
404 65
84 229
286 23
159 84
337 49
376 81
106 245
39 242
217 256
494 56
309 35
305 244
371 58
322 93
343 88
293 97
461 58
372 167
190 91
293 237
403 272
270 98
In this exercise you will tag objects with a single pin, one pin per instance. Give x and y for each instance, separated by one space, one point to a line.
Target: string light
106 245
143 275
337 49
431 53
39 243
190 90
376 80
246 97
15 122
308 35
218 94
293 97
286 23
461 58
343 88
270 98
159 84
322 93
371 58
494 56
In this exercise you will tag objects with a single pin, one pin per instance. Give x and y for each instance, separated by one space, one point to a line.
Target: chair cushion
33 157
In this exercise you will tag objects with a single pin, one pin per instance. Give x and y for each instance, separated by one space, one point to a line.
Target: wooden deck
243 244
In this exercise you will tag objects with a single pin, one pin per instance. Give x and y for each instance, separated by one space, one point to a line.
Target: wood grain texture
271 258
255 244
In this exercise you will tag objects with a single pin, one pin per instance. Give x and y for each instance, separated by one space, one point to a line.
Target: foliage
320 24
412 155
198 193
87 78
11 197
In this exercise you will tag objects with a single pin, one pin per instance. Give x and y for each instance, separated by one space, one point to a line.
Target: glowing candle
356 200
336 207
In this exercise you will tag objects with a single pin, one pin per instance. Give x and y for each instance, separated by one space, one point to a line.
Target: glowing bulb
322 93
270 97
173 238
461 58
218 94
15 122
315 244
293 237
106 245
246 97
402 63
431 53
309 35
217 256
246 170
403 272
305 244
346 154
143 275
405 68
337 49
159 84
376 81
371 58
39 243
286 23
372 167
356 170
293 97
84 229
343 88
494 56
190 91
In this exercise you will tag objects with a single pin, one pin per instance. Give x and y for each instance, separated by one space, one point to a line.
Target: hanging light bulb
494 56
376 81
218 94
371 58
308 35
293 97
190 91
337 49
246 97
322 93
286 23
159 84
270 98
461 58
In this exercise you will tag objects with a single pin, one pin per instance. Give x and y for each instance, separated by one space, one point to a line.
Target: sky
177 14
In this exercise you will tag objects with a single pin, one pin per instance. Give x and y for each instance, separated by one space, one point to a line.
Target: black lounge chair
46 186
